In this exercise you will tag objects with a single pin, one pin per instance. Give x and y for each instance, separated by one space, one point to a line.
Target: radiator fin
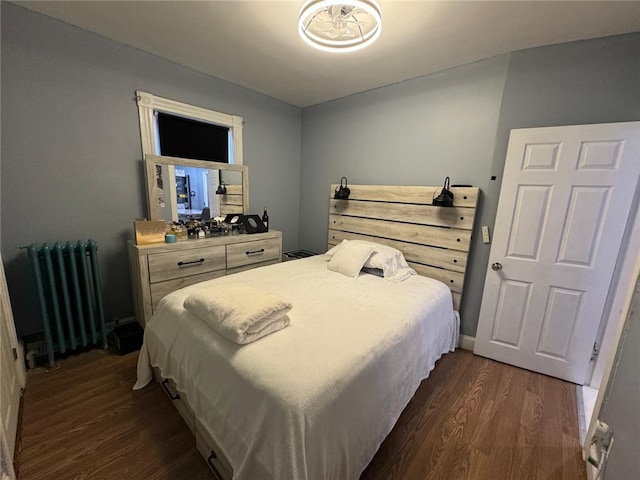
67 281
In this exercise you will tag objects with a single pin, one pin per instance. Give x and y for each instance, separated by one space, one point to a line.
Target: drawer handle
194 262
165 386
213 467
255 252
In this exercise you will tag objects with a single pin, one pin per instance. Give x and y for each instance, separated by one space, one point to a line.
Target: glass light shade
335 26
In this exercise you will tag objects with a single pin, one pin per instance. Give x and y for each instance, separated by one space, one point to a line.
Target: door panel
583 225
559 321
530 217
600 155
541 156
566 196
514 298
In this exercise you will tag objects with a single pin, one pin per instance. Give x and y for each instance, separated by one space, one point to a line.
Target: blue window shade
182 137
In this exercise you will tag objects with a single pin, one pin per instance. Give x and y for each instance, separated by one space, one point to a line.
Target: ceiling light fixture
335 26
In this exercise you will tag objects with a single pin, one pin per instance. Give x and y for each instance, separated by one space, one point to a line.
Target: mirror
185 189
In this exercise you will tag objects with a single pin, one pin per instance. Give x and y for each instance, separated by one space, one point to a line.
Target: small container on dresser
159 269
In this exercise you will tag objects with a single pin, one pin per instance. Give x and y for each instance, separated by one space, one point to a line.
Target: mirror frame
151 161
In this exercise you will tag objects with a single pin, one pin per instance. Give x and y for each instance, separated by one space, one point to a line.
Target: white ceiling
255 44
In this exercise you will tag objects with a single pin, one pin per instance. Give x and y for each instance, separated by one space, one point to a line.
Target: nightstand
297 254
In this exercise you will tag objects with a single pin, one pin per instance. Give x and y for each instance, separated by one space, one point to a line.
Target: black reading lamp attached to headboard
222 189
342 192
445 199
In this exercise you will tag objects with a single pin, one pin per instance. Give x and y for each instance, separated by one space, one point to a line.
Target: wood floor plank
82 420
490 423
472 419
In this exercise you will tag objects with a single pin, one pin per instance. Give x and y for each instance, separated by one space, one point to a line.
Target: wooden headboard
434 240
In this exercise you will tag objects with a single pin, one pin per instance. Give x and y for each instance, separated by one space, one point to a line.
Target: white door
12 374
565 199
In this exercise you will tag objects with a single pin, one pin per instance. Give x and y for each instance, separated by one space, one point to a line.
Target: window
186 138
156 113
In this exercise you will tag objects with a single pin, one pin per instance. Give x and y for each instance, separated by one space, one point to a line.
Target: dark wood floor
472 419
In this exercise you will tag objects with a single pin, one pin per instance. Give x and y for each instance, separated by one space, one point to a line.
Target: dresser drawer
212 453
231 271
178 399
248 253
160 289
185 263
159 269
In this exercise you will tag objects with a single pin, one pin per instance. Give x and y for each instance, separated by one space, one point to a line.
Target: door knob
496 266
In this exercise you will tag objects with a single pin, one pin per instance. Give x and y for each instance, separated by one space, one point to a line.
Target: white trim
148 104
466 342
6 459
610 343
624 286
582 423
10 421
609 368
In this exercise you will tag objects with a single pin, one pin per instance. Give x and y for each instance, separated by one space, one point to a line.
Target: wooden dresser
159 269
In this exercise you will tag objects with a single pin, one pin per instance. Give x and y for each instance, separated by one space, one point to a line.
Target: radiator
67 282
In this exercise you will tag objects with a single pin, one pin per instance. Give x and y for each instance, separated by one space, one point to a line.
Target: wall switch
485 234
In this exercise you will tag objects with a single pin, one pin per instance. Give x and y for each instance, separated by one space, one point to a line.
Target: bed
315 399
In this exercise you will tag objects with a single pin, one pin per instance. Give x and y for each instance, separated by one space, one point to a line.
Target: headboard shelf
434 240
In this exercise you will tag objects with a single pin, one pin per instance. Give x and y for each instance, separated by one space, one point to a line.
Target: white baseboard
582 423
466 342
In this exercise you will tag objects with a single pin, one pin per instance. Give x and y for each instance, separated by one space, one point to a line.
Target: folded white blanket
241 313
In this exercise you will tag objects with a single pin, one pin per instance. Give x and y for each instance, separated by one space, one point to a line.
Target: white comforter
315 400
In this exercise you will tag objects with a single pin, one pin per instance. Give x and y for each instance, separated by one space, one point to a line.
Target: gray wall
412 133
457 123
71 154
71 163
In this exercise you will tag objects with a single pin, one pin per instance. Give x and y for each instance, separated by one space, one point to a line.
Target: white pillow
335 248
350 258
392 263
388 259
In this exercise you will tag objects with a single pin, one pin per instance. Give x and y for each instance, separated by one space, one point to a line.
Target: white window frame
149 105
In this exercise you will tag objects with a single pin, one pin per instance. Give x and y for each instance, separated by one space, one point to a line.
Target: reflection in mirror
185 189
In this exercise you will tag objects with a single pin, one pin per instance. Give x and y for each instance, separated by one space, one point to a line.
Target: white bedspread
315 400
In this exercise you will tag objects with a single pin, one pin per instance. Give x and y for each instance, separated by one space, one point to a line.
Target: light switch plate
485 234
